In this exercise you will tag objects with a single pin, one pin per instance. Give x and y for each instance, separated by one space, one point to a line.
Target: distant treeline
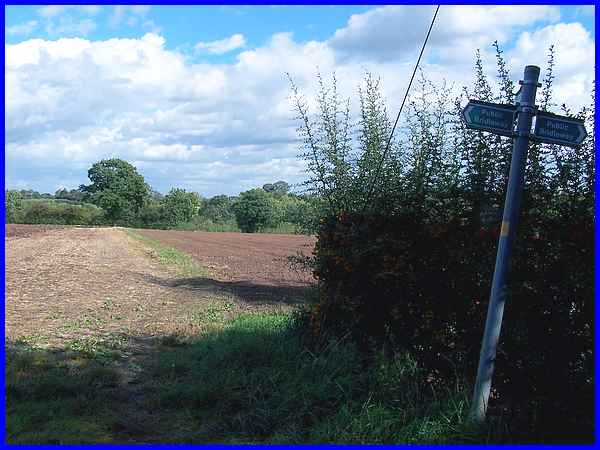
118 195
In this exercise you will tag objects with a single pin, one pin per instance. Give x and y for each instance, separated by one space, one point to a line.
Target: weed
95 347
213 314
34 340
250 380
108 303
86 322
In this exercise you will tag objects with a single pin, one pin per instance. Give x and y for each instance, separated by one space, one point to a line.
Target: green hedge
425 288
60 213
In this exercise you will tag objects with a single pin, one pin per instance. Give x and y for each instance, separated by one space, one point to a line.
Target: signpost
492 117
549 128
561 130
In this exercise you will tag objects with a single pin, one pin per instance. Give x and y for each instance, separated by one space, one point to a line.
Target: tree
277 188
301 211
117 188
13 204
218 209
254 210
180 206
74 195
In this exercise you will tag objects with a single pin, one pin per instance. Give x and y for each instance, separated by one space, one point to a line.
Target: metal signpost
549 128
497 119
560 130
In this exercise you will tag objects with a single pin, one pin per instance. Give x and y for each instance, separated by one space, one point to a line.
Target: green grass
271 389
251 382
53 399
170 256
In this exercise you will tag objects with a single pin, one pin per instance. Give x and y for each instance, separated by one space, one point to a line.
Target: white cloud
214 127
68 26
51 11
22 29
233 42
574 59
397 32
129 14
66 20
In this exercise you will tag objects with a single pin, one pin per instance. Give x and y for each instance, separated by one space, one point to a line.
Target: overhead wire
389 141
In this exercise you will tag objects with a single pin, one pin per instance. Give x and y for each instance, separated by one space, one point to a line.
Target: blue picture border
350 2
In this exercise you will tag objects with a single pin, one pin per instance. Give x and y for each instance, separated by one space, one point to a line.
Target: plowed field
259 259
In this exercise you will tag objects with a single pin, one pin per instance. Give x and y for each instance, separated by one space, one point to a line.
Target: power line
389 141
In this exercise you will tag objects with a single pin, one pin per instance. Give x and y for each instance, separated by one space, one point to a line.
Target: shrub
254 210
406 251
180 206
425 288
13 205
52 212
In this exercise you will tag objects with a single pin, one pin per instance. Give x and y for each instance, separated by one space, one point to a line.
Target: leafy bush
13 205
201 223
406 251
180 206
218 209
152 215
425 288
59 213
254 210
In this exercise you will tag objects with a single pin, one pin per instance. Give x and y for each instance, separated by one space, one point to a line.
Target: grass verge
169 256
250 382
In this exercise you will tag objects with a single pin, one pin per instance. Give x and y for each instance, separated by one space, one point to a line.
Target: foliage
31 194
218 209
200 223
13 205
73 194
152 215
406 250
271 389
278 188
180 206
425 287
118 188
302 213
54 212
254 210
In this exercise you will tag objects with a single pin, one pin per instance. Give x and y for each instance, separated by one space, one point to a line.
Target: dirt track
65 283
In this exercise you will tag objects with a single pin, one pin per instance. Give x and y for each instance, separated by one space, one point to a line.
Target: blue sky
183 26
196 96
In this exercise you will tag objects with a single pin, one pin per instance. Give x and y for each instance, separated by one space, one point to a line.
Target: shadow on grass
246 291
253 382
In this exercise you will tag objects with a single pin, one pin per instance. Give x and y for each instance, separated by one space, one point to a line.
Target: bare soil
260 259
67 284
14 230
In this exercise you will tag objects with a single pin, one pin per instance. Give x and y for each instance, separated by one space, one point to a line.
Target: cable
389 141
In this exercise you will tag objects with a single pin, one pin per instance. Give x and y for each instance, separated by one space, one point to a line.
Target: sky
197 97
